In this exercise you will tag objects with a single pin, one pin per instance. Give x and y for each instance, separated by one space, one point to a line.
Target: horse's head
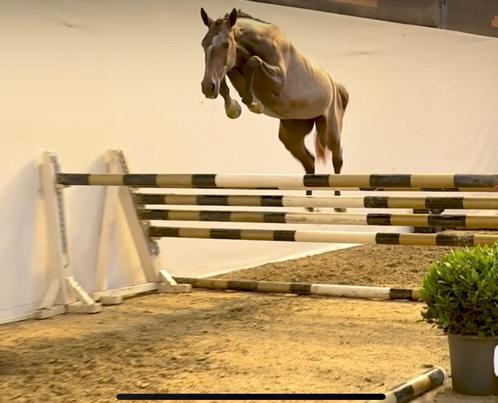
219 49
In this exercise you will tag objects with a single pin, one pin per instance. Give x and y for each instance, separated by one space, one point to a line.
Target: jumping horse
274 78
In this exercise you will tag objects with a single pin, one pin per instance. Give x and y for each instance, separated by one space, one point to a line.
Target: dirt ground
209 341
382 265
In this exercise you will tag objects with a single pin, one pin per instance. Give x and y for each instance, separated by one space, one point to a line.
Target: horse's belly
292 110
293 107
304 99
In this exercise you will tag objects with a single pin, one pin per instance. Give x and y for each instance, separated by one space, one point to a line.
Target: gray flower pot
472 364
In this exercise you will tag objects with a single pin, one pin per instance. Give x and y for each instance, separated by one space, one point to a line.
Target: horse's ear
205 19
232 19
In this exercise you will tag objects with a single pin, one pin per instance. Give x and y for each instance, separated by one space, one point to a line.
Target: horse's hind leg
292 134
330 130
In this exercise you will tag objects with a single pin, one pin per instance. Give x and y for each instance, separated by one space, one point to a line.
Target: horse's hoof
247 101
256 107
234 110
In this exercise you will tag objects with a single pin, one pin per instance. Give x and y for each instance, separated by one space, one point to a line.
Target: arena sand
209 341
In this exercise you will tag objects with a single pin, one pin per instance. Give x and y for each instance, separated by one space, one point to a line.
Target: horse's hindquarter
307 93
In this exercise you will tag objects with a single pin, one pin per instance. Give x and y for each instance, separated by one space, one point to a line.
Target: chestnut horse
274 78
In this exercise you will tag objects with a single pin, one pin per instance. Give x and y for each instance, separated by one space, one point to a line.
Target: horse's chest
238 81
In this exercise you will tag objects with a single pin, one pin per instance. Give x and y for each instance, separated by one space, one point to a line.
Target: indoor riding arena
249 200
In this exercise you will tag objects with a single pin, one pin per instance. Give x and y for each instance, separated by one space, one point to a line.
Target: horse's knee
254 62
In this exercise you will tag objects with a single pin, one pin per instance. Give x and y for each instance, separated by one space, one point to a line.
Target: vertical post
63 292
58 258
107 229
147 249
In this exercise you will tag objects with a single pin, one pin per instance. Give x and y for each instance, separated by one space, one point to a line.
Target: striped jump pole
415 202
411 220
331 290
379 238
417 386
450 182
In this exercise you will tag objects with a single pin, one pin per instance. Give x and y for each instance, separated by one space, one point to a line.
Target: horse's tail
343 92
321 148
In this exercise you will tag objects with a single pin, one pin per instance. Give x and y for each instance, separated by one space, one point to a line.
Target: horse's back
259 32
308 90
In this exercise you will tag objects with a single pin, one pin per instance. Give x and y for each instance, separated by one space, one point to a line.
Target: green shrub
461 292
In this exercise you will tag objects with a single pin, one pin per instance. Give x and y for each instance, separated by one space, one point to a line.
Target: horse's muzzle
210 90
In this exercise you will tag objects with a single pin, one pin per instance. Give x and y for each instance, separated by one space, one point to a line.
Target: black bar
73 179
300 288
435 220
212 200
282 235
387 238
251 396
476 181
436 377
444 202
454 240
272 201
402 180
140 180
378 219
153 214
316 180
405 394
400 293
166 232
376 201
148 198
224 233
274 217
204 180
214 215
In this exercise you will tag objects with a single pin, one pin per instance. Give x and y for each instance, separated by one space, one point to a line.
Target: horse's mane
242 14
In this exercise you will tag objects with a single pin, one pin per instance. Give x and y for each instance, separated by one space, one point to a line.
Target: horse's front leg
274 74
232 107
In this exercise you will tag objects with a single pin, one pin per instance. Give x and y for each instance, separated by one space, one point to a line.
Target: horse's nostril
212 87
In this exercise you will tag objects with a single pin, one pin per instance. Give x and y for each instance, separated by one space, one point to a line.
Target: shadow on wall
84 212
22 208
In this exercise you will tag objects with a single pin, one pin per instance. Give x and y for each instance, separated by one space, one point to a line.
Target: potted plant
461 294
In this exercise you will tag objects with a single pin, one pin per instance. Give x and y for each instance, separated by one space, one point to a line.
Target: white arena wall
79 78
